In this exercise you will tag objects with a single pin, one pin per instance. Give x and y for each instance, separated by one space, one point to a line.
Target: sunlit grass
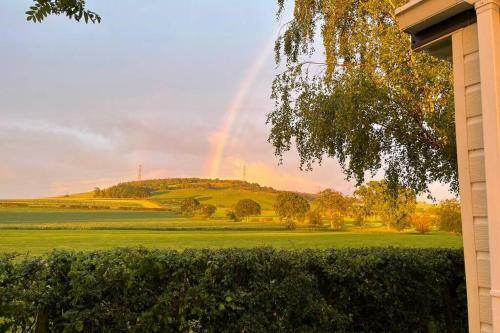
36 242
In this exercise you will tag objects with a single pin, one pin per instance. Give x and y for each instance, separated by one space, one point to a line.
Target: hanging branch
73 9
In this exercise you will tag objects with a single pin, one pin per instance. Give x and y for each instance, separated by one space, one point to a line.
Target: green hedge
257 290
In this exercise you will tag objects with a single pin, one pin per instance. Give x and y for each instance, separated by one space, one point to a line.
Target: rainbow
222 135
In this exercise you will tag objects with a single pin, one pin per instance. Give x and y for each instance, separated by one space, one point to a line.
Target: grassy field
39 230
222 198
50 218
81 222
36 242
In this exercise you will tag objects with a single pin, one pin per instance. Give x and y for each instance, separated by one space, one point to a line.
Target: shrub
232 290
421 222
232 216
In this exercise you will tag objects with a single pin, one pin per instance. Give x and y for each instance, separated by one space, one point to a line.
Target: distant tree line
123 190
166 184
396 208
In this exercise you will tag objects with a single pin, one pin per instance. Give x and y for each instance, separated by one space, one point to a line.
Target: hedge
235 290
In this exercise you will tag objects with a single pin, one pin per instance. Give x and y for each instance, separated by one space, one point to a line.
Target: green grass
37 242
220 197
84 200
45 224
49 218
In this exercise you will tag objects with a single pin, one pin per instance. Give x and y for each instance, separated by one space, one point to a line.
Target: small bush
421 222
232 216
256 290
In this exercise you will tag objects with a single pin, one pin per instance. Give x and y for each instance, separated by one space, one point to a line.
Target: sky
179 87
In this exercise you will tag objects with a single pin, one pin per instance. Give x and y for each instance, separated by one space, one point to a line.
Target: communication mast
244 173
139 174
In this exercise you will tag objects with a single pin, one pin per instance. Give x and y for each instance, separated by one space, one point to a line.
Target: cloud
39 127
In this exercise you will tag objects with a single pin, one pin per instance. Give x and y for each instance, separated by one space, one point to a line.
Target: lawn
39 230
42 241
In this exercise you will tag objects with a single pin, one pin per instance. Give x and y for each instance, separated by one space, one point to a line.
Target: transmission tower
244 173
139 174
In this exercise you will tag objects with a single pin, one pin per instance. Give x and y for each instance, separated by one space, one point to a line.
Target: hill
171 191
158 194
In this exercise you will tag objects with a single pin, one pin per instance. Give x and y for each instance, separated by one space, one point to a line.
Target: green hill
158 194
221 193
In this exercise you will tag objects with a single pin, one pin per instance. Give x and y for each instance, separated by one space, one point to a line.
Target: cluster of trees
123 190
394 207
374 198
199 183
192 207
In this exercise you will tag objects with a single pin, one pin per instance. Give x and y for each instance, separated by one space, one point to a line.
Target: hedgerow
235 290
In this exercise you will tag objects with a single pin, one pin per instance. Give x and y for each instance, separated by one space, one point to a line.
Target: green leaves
291 207
364 98
245 208
394 205
233 290
73 9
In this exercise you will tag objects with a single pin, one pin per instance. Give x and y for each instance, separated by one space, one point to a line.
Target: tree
334 206
314 217
368 100
358 212
73 9
97 192
292 207
189 206
207 211
449 217
245 208
394 206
